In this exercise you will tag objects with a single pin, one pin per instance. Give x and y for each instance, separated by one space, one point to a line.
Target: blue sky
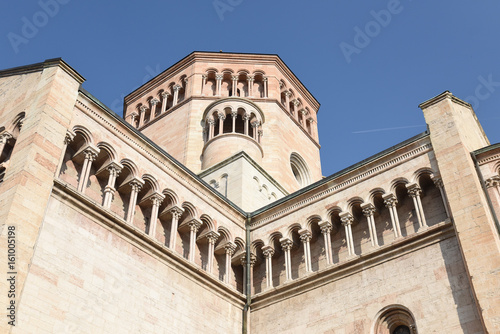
368 63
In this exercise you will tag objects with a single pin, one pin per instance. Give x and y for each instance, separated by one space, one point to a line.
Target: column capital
165 95
346 218
253 260
70 135
114 168
255 124
438 182
219 76
413 190
230 248
493 181
325 226
212 237
368 209
176 211
210 121
154 102
261 133
194 224
204 76
264 79
234 77
156 198
295 102
287 93
234 113
246 117
176 88
305 235
250 77
304 112
91 152
268 251
221 116
143 108
286 244
390 200
136 184
311 120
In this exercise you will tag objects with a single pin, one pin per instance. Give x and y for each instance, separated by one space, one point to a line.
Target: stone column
229 248
268 252
67 140
234 114
90 155
218 78
414 192
439 183
153 102
243 260
203 81
114 170
305 237
260 135
326 229
304 115
390 202
287 100
156 200
136 186
142 110
222 117
212 237
164 101
286 245
246 118
264 80
133 118
211 125
255 126
194 226
250 85
176 213
311 126
234 81
186 80
295 103
347 219
368 212
176 89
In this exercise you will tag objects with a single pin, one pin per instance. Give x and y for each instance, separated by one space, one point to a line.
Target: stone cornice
38 67
317 190
109 220
386 253
441 97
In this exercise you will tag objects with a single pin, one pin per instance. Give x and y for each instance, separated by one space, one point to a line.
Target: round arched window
300 170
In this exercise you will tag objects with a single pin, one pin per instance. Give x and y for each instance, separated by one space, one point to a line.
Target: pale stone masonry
204 209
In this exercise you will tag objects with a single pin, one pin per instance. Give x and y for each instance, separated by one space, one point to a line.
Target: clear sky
368 63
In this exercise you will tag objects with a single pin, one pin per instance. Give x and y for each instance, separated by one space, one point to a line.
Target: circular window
299 169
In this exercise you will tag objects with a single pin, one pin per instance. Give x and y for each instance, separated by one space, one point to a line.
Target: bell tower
243 122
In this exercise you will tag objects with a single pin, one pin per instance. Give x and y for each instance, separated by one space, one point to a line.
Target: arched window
300 170
394 319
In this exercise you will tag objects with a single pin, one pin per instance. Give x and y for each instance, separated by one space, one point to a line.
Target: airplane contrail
389 129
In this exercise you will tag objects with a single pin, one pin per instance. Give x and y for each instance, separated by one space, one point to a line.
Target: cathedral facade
204 209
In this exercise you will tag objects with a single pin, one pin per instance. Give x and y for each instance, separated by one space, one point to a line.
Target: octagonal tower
243 122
